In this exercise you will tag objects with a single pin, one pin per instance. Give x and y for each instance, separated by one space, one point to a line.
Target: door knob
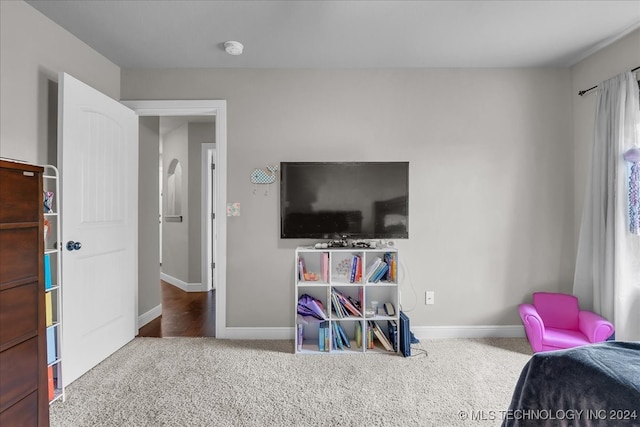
73 246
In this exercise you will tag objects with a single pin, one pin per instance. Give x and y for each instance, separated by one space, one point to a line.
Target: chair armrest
533 325
596 328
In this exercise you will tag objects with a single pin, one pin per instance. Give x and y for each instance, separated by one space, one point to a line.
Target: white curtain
607 276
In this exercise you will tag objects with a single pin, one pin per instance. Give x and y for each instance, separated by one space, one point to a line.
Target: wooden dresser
23 354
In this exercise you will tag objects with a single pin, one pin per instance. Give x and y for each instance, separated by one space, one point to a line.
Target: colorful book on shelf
356 304
370 344
393 334
300 336
301 269
358 334
50 384
379 273
327 337
51 345
356 260
381 336
48 309
345 304
325 267
343 335
388 258
371 269
337 338
394 268
47 272
337 306
321 336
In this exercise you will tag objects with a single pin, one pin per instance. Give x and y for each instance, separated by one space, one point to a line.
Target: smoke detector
233 48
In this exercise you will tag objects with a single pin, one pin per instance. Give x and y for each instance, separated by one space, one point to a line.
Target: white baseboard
147 317
187 287
420 332
248 333
471 331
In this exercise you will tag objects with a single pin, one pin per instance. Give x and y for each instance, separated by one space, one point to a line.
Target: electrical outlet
429 297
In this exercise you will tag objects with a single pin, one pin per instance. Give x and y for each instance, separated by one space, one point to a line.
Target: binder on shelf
51 345
405 335
50 383
47 272
393 334
48 309
358 334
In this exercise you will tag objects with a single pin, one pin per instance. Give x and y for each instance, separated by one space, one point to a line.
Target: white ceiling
344 34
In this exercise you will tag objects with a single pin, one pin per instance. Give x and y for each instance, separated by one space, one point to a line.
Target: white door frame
216 108
209 215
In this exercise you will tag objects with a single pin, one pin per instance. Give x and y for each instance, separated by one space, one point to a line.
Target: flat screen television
329 200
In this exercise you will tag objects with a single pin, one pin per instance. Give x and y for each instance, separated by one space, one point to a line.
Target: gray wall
149 295
497 161
175 235
491 152
33 50
181 242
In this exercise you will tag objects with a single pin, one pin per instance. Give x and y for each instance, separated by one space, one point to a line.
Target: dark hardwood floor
184 314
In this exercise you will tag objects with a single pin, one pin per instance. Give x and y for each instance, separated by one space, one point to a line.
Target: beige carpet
209 382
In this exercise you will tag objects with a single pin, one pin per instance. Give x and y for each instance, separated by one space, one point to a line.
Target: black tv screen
329 200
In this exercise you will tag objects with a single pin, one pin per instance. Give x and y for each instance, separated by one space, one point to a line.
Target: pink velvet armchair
554 321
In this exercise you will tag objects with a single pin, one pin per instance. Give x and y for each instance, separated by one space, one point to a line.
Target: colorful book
393 334
381 336
371 269
337 307
346 304
343 335
337 338
300 336
370 344
48 311
51 345
355 261
321 336
327 337
379 273
301 269
50 383
358 334
47 272
325 267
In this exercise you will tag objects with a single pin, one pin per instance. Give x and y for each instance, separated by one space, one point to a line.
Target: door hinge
213 166
213 265
213 215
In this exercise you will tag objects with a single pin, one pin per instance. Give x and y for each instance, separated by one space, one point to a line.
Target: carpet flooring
210 382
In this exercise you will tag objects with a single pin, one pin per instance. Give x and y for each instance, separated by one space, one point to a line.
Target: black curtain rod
582 92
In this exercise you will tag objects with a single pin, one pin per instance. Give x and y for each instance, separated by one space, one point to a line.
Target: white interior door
98 160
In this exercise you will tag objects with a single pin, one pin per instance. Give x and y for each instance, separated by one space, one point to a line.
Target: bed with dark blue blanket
593 385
